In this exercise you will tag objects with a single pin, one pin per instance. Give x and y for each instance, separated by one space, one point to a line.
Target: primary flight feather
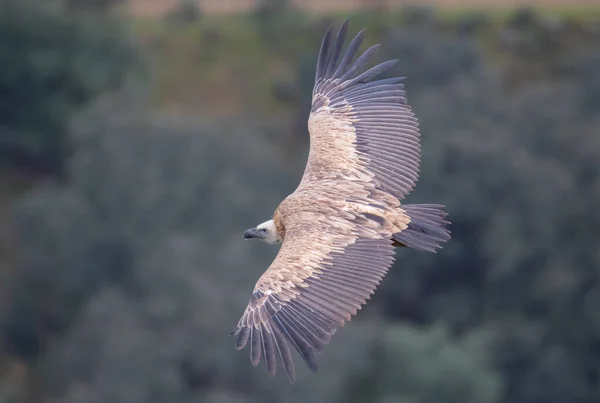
339 228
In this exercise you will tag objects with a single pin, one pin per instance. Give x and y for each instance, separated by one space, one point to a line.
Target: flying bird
339 229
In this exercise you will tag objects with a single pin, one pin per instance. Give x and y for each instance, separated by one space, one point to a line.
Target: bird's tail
427 228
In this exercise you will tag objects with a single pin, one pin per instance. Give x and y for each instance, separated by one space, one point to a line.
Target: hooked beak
251 233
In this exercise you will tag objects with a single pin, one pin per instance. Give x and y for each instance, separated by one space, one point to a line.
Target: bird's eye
263 230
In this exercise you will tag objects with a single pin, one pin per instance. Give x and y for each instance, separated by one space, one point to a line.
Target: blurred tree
94 6
186 11
65 257
278 22
53 64
435 368
414 15
270 9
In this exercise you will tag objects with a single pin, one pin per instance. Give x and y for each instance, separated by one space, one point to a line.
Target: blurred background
139 139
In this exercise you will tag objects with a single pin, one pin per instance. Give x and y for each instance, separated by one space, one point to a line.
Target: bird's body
339 228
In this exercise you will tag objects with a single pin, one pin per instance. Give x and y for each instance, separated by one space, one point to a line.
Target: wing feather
335 54
255 346
323 55
350 53
361 61
374 114
269 350
342 276
284 354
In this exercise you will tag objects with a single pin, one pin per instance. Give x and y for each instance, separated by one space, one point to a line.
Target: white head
265 231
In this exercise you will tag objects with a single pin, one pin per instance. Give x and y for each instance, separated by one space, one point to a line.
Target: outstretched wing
326 269
355 120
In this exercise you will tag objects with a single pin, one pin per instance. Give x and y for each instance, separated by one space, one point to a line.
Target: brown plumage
340 227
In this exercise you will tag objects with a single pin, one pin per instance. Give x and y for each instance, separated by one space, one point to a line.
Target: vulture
339 229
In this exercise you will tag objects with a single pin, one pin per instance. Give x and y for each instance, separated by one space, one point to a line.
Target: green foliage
96 6
410 364
186 12
53 63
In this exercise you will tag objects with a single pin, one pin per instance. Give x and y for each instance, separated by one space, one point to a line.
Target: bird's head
265 232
